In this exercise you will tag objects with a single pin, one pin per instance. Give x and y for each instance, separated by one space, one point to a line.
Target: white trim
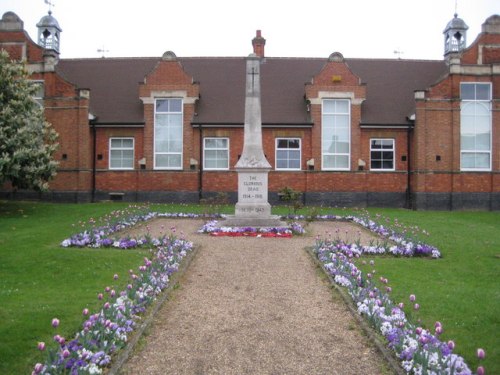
382 150
488 104
276 153
155 153
216 149
121 149
323 153
166 94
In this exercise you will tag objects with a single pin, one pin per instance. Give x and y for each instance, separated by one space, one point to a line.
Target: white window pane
467 91
115 143
161 120
467 160
329 161
468 142
342 106
162 105
328 106
328 121
342 147
483 160
483 141
210 143
127 143
175 105
468 109
483 91
376 144
341 161
342 121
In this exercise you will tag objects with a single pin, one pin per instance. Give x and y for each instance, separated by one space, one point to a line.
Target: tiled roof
114 85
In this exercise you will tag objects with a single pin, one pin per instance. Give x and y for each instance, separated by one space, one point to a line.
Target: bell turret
49 33
455 35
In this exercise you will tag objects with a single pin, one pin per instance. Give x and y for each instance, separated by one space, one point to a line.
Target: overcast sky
292 28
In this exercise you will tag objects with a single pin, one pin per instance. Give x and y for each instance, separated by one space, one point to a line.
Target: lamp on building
310 164
361 164
193 163
142 163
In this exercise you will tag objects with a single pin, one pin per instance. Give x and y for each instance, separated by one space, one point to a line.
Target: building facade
345 132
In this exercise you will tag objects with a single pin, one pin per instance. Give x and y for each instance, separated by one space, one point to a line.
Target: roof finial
103 51
456 8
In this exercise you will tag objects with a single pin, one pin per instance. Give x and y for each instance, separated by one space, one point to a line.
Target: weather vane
103 51
50 4
398 52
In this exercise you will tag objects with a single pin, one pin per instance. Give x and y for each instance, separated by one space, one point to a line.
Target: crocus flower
481 353
99 296
65 353
41 346
55 322
416 306
38 368
480 370
412 297
85 312
451 344
115 276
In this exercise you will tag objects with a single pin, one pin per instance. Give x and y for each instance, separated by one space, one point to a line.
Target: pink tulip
412 297
85 312
451 345
416 306
55 322
38 368
100 296
480 370
41 346
481 353
65 353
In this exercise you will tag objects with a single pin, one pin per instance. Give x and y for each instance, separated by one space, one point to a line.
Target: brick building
367 132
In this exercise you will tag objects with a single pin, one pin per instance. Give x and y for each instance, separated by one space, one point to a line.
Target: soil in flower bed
345 230
254 305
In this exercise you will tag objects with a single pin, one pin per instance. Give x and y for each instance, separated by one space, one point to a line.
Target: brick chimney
258 44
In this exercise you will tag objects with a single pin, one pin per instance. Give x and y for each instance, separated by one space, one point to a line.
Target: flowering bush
105 332
420 351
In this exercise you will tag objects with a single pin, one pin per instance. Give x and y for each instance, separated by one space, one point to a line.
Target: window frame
227 149
39 99
167 113
276 149
381 150
323 152
121 149
487 103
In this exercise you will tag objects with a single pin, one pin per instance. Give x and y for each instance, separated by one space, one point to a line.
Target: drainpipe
94 150
200 174
409 203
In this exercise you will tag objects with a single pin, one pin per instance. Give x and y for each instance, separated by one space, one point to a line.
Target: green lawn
40 280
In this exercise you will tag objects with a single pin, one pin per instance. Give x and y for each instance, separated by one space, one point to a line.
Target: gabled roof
114 85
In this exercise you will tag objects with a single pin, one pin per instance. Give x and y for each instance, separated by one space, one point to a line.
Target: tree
27 141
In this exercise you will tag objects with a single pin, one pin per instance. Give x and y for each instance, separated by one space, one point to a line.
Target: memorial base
271 221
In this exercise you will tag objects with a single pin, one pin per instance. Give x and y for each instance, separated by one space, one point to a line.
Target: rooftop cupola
49 32
455 35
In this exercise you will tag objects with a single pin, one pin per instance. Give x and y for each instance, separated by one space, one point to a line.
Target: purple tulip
41 346
416 306
451 345
481 353
412 297
418 331
100 296
480 370
55 322
112 293
401 305
115 276
38 368
439 330
65 353
85 312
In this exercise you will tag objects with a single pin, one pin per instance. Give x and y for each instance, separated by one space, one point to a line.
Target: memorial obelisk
253 208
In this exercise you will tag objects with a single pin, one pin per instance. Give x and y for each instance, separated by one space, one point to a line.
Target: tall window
39 94
382 154
216 153
168 134
336 134
475 126
121 153
288 153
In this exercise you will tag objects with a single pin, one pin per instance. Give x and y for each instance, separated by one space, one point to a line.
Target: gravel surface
254 306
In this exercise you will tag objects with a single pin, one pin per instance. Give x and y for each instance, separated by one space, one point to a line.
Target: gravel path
254 306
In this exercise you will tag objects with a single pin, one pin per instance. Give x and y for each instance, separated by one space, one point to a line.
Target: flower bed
213 229
420 351
394 242
106 331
